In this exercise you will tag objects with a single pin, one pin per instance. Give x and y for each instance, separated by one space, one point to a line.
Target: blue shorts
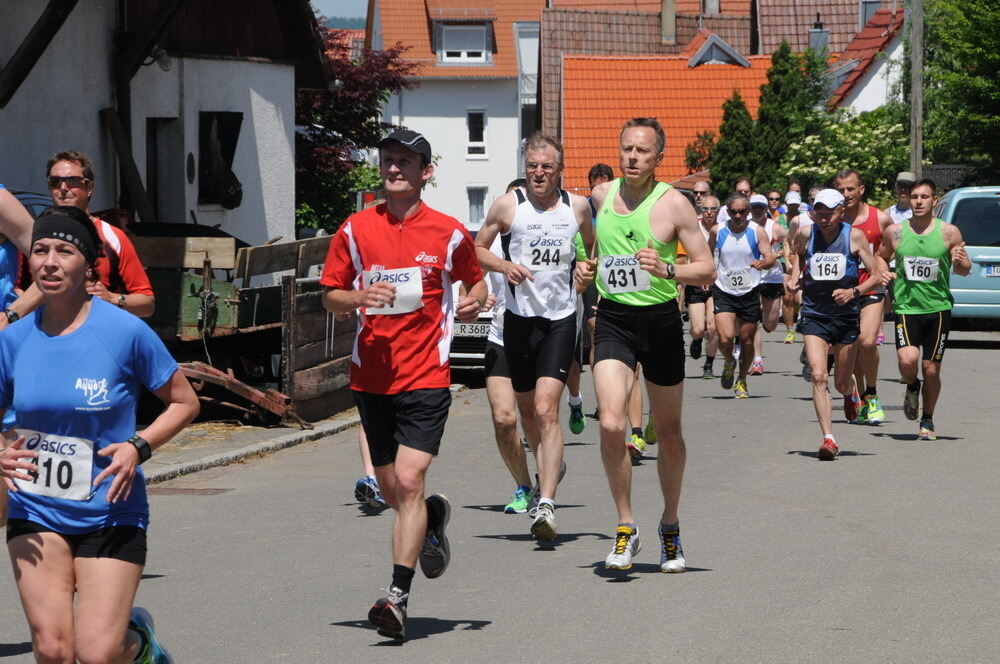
833 330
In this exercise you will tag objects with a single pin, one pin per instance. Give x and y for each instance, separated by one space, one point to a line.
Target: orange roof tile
648 6
699 40
880 30
597 99
791 20
409 22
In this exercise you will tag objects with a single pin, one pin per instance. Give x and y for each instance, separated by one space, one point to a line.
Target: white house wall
57 105
265 152
875 87
437 109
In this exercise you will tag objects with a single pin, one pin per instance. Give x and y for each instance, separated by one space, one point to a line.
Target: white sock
547 501
574 400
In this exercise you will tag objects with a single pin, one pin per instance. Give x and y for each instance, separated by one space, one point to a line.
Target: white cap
793 198
830 198
758 199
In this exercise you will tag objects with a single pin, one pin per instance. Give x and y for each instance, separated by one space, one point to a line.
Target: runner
790 300
639 223
872 222
772 282
830 253
900 210
742 251
699 300
537 227
76 532
396 262
925 250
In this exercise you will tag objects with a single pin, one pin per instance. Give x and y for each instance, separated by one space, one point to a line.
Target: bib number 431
622 274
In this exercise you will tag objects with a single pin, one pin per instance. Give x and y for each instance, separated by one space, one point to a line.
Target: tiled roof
881 29
792 20
409 22
648 6
613 32
699 40
352 41
597 100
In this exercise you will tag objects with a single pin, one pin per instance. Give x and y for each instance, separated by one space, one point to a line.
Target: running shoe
435 553
576 419
388 614
367 493
740 390
757 367
519 505
790 336
536 491
828 451
671 554
880 339
911 403
707 372
636 446
544 525
650 433
152 652
803 359
728 372
875 413
695 348
851 404
862 417
927 431
627 544
807 373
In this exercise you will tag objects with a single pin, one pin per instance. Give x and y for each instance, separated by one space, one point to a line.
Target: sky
341 7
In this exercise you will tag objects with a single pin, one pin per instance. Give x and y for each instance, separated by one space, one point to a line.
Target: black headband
62 227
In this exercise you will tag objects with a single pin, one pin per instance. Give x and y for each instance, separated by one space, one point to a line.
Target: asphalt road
888 554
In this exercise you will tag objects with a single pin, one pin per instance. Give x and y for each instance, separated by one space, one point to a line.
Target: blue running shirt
78 390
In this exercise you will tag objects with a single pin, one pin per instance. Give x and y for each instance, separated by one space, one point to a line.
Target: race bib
409 290
741 279
622 274
920 268
828 267
540 253
64 466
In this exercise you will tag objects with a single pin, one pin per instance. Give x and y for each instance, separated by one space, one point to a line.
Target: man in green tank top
925 250
639 222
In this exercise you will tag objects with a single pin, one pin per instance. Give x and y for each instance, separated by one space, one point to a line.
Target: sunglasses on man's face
774 198
71 181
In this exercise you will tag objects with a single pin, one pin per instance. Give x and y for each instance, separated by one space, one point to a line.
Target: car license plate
993 269
472 329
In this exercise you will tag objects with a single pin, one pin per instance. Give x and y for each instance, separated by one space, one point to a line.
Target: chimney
668 21
819 37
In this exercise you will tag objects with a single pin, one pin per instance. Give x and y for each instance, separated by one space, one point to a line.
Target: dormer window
463 43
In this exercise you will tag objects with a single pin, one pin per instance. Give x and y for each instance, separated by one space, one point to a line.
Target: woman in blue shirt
73 369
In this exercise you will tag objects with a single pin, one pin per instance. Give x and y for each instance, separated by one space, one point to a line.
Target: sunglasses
708 208
733 211
774 198
71 181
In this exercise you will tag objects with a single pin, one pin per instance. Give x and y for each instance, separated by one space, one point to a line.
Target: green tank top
619 236
923 269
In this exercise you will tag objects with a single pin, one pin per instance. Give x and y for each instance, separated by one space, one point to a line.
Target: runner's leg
613 380
43 570
503 403
105 591
816 354
665 404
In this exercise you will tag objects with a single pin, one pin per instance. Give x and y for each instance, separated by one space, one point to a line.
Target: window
477 206
463 43
475 120
218 134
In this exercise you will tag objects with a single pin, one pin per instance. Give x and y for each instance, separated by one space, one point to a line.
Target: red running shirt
872 231
408 351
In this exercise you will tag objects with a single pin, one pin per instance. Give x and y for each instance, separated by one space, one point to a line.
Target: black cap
410 140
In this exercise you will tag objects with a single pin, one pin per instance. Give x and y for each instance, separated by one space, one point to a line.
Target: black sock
914 386
402 577
927 417
870 391
637 431
709 360
433 518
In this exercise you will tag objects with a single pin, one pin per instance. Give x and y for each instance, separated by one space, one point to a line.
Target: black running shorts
414 419
589 297
771 291
746 306
832 330
127 543
871 298
652 336
697 294
537 347
496 361
927 330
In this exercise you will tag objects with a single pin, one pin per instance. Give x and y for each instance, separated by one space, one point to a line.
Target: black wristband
12 316
142 446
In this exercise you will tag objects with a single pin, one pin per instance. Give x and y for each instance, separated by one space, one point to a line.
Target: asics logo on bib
546 242
620 261
95 389
426 258
36 442
400 278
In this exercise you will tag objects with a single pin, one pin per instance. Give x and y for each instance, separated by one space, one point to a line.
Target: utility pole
917 87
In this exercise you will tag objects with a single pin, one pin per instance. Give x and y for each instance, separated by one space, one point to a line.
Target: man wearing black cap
396 262
901 210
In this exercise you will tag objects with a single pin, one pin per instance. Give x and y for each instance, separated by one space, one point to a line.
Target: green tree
698 152
733 153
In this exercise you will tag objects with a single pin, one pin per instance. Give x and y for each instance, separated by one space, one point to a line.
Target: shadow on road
843 453
561 538
499 508
418 628
974 344
626 576
12 649
913 437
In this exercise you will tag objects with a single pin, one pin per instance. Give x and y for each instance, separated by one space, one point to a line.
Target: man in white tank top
536 227
772 281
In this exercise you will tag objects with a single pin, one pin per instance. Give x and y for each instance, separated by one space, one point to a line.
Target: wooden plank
312 253
33 46
312 327
311 354
321 379
186 252
267 258
287 337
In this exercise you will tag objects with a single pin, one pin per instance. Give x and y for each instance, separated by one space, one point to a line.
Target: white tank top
776 275
498 286
733 254
542 241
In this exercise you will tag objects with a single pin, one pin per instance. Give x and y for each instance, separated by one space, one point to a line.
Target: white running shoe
626 545
544 525
671 553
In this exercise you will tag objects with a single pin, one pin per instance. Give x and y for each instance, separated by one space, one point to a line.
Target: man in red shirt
396 262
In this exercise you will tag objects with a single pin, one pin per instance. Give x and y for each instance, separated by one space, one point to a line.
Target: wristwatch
142 446
12 316
856 293
671 270
122 301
